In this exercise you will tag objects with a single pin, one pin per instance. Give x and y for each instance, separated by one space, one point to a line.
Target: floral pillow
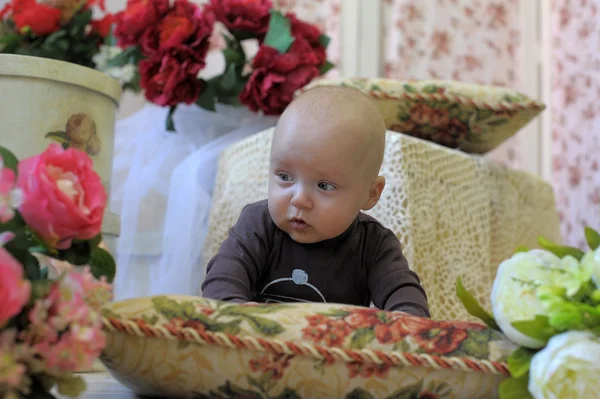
183 346
473 118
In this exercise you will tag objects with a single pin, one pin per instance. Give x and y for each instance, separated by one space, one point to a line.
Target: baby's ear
374 193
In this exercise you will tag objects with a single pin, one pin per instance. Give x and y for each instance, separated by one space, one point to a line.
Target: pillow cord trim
319 352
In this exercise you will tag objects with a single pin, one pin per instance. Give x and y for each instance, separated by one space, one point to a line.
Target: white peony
591 264
106 53
124 74
514 291
568 367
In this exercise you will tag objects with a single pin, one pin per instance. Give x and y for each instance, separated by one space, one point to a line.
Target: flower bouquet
547 301
55 273
169 43
58 29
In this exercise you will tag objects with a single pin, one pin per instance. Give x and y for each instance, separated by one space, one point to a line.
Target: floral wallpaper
478 41
468 40
576 115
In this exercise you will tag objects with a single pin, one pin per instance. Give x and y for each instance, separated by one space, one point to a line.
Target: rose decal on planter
80 133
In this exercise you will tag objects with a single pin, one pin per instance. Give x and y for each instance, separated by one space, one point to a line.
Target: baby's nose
301 200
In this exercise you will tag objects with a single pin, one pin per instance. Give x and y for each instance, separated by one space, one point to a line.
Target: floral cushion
471 117
183 346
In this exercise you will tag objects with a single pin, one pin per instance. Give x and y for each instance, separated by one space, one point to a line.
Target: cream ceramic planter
43 100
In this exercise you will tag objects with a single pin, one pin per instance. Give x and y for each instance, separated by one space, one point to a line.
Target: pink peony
64 198
14 291
13 371
10 197
65 329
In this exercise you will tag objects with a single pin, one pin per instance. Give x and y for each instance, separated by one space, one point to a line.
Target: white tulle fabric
162 187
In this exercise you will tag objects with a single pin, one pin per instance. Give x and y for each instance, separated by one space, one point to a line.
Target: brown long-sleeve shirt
259 262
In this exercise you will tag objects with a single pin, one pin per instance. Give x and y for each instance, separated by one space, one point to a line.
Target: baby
309 241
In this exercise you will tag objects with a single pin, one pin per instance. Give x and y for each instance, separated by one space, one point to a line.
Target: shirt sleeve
233 272
392 284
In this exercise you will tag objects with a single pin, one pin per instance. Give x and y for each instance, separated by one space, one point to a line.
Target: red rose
171 79
136 18
242 16
310 33
277 76
183 26
40 18
102 26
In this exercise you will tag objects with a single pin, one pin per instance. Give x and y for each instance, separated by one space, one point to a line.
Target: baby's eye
325 186
285 177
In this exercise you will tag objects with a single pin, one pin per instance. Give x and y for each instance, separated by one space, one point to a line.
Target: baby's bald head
342 117
325 159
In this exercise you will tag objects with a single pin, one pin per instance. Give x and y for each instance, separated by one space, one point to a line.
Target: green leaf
498 122
126 57
592 237
9 43
361 338
324 40
515 388
244 310
78 254
241 34
9 159
232 327
207 98
94 242
538 328
230 78
521 248
484 114
71 386
40 289
81 19
472 305
264 326
326 67
52 38
429 89
359 393
559 250
58 136
337 313
234 56
229 40
519 361
409 89
110 39
230 100
169 124
279 35
102 263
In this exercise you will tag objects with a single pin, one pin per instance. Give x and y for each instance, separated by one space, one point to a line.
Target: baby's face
319 179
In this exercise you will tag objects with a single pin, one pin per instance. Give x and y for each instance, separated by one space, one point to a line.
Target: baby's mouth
298 223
